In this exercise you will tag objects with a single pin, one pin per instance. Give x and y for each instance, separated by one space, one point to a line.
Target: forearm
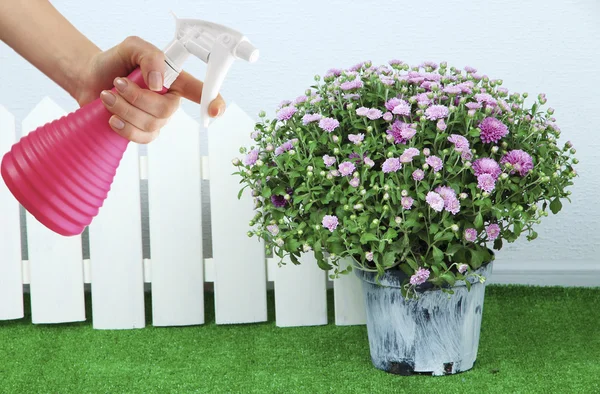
41 35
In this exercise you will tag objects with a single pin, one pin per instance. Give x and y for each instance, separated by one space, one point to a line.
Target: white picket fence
174 168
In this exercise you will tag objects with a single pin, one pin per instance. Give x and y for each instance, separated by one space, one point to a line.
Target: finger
150 59
117 105
191 88
159 106
130 132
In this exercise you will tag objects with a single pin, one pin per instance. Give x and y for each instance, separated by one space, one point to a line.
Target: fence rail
174 170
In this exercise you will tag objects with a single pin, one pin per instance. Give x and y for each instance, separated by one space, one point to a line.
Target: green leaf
452 249
412 263
498 244
322 263
266 193
448 277
479 221
438 255
518 227
389 259
294 259
390 234
555 205
433 228
366 237
476 258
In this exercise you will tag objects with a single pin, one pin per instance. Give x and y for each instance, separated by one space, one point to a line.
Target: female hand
138 114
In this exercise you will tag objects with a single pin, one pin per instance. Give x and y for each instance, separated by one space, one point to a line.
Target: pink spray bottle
62 172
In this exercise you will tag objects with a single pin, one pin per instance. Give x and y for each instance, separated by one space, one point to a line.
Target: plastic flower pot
435 333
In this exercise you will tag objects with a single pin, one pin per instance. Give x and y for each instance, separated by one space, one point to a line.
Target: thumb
151 60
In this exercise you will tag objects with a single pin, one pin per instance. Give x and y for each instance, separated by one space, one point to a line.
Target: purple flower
493 231
330 222
286 113
445 192
470 235
492 130
286 146
486 182
462 268
389 81
354 182
435 201
402 108
401 132
329 124
300 99
251 157
419 277
369 256
520 160
273 229
369 162
460 142
452 205
452 89
356 138
435 163
485 165
309 118
418 175
441 125
391 165
473 105
436 112
407 202
396 62
362 111
470 70
278 201
328 160
333 72
317 99
388 116
374 114
408 155
392 103
355 84
485 98
422 99
433 65
346 168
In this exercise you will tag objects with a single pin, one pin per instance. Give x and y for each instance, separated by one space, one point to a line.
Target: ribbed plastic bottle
62 172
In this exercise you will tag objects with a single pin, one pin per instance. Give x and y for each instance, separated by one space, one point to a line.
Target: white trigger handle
219 62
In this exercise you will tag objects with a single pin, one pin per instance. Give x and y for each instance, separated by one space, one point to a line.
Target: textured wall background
535 46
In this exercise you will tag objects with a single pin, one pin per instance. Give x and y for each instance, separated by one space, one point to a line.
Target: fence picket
240 271
116 251
174 197
11 282
348 298
56 262
300 293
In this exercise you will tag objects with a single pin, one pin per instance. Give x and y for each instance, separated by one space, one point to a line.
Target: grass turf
533 340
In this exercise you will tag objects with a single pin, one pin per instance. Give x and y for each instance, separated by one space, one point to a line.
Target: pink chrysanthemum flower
273 229
446 192
374 114
402 108
472 105
486 165
391 165
520 160
452 205
408 154
470 70
441 125
419 277
423 99
462 268
453 89
354 182
486 182
392 103
356 138
470 235
251 157
435 162
286 113
309 118
436 112
407 202
492 130
369 162
329 124
330 222
388 116
362 111
485 98
349 85
328 160
300 99
418 175
401 132
435 201
493 231
346 168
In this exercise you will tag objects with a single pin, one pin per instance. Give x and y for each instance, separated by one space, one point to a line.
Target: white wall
536 46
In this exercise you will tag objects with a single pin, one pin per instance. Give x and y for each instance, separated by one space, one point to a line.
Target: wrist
78 75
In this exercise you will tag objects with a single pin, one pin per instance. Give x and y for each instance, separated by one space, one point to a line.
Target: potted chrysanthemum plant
415 174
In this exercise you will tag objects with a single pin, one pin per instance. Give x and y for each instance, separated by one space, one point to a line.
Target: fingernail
108 98
120 84
155 80
116 123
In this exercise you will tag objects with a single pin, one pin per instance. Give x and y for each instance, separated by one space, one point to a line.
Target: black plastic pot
436 333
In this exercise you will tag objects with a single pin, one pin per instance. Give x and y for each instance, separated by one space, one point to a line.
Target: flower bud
356 174
353 217
358 207
235 162
504 176
317 78
504 144
550 111
309 168
463 196
454 227
336 151
331 100
346 207
386 207
249 234
426 152
438 175
363 192
478 195
309 174
398 219
268 139
248 172
404 193
376 188
485 194
317 227
425 166
386 196
525 94
329 176
270 148
390 154
568 144
575 161
495 149
350 105
573 151
375 221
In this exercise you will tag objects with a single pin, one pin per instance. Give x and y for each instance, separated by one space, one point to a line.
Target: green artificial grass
533 340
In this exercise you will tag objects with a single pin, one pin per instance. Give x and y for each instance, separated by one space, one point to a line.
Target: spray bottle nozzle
216 45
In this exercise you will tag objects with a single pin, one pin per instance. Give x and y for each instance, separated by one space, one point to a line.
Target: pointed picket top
39 115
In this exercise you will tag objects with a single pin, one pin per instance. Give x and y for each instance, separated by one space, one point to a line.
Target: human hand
138 114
